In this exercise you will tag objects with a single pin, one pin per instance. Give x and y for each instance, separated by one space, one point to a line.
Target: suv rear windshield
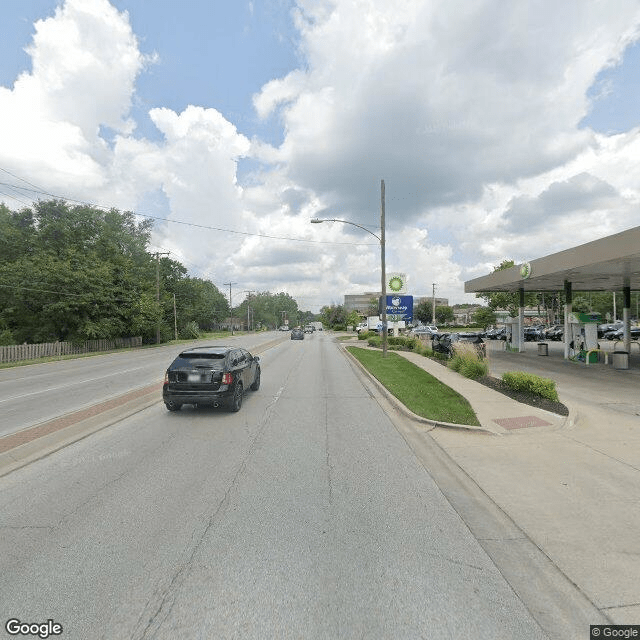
213 360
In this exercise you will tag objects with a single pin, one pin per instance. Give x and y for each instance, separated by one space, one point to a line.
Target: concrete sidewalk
572 484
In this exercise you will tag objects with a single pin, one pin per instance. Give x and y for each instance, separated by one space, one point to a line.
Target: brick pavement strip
30 434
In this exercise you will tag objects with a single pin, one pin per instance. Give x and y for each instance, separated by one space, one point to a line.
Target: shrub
521 381
374 341
191 331
468 362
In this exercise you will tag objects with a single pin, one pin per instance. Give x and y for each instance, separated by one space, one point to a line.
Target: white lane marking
71 384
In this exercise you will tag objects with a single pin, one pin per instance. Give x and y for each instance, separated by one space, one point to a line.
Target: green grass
418 390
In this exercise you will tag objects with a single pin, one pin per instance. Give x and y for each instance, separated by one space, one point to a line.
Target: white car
427 330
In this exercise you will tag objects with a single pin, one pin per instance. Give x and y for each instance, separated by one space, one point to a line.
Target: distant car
603 329
618 334
556 332
533 334
215 375
309 329
284 327
424 330
297 334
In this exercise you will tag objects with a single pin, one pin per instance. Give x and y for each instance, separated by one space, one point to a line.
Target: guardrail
19 352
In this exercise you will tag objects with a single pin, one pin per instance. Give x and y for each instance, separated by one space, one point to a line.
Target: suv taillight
227 378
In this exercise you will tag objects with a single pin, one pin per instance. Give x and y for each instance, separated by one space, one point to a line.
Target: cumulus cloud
85 62
470 112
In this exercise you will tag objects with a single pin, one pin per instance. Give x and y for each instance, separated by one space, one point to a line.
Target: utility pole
230 303
175 318
433 305
248 309
157 254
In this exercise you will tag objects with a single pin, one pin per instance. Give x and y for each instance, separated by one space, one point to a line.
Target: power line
38 191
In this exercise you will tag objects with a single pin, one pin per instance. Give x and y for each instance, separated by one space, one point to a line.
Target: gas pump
583 335
513 335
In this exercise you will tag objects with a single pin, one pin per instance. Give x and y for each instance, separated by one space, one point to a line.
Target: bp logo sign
525 270
397 283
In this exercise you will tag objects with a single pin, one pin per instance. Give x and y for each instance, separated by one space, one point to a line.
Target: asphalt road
35 393
305 515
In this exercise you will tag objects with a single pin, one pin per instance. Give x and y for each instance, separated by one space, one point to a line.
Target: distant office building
360 302
440 302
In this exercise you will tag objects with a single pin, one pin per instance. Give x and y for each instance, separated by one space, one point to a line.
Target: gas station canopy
607 264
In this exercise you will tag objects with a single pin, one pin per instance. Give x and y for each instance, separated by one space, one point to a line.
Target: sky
500 130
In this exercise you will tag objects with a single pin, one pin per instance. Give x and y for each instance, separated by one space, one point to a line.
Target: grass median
418 390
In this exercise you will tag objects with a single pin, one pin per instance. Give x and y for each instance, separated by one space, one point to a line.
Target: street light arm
319 220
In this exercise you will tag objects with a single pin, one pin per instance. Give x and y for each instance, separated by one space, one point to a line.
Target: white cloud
470 112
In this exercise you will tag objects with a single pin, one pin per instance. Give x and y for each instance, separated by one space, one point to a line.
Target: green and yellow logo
525 270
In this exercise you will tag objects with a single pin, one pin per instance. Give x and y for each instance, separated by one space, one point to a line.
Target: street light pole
383 274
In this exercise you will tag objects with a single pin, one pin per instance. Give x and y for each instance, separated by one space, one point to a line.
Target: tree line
77 272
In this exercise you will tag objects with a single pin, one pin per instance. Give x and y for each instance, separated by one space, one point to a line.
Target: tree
333 316
424 312
444 315
484 317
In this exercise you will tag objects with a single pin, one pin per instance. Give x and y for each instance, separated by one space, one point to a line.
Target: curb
407 412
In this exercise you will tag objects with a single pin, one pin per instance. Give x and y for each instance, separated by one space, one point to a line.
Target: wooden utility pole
433 305
158 293
230 303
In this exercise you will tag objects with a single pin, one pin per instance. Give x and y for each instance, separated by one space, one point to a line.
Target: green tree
484 317
424 312
444 315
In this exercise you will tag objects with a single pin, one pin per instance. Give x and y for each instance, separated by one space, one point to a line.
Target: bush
468 362
521 381
363 335
191 331
374 341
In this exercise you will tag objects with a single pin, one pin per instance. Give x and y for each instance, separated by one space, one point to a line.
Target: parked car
533 333
309 329
555 332
215 375
297 334
610 326
496 334
618 334
424 330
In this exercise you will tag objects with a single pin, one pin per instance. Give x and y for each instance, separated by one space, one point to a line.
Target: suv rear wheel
256 381
236 400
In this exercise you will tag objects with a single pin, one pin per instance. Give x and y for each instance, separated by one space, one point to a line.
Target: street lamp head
316 221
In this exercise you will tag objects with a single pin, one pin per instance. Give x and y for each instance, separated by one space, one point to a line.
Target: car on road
214 375
284 327
297 334
309 329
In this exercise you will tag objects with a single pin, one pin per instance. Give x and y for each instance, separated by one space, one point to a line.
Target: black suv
210 375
